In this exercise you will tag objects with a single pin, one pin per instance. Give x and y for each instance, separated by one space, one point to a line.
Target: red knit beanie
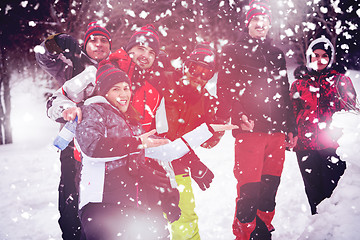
147 35
107 76
203 52
94 28
258 7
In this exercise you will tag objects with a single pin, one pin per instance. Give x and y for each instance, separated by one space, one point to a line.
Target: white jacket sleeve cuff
178 147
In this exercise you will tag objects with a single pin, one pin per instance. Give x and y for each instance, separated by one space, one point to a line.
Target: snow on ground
30 171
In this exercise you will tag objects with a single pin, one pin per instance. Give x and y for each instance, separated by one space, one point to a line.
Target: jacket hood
309 51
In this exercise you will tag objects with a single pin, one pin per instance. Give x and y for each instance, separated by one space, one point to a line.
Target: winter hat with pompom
258 7
94 28
107 76
203 52
148 36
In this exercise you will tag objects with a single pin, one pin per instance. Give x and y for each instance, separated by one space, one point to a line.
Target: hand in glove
63 43
200 173
150 173
170 204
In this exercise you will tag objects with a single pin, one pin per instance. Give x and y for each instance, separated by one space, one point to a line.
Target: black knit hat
107 76
258 7
203 52
94 28
147 35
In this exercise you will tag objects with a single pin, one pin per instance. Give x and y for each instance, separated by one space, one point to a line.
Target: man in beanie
64 60
137 59
253 90
187 105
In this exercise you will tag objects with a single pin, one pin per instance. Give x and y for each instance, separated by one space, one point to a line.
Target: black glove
200 173
170 204
63 43
149 172
69 46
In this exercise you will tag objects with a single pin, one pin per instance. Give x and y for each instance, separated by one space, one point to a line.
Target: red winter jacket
316 97
186 111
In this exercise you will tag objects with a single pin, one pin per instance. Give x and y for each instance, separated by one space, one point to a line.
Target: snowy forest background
29 165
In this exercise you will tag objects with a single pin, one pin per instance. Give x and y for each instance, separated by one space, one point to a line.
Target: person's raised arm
180 146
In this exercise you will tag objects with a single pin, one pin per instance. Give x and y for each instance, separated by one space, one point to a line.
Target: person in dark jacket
317 94
253 91
121 197
64 59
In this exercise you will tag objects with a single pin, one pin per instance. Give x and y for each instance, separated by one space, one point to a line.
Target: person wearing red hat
187 99
137 59
65 60
253 91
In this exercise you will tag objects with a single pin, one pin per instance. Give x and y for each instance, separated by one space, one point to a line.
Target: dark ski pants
259 159
101 221
321 171
69 194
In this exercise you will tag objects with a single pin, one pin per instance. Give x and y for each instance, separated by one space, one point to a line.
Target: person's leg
187 225
332 170
310 167
249 157
94 218
68 195
270 179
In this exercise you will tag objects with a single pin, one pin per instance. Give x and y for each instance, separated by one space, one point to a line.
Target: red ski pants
259 159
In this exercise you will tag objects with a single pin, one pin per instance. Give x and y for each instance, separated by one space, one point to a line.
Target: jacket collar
245 38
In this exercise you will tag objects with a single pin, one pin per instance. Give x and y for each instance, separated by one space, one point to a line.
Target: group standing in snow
128 175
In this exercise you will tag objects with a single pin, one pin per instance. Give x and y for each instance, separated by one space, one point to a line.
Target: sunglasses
200 70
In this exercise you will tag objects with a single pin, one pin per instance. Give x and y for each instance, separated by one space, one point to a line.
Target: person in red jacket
253 91
137 59
187 105
317 94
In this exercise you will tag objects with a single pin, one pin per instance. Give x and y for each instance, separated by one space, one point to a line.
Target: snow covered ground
30 171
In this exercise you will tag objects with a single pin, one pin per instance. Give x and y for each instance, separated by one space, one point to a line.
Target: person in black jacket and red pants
253 90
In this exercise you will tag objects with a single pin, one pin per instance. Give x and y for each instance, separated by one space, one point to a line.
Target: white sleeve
75 88
161 119
178 147
72 92
57 104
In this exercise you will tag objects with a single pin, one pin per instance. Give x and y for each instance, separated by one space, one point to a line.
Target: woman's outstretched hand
223 127
148 142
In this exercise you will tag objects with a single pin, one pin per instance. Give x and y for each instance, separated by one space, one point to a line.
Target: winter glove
63 43
149 172
200 173
170 204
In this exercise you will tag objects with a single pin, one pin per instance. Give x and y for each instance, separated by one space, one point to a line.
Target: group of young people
127 174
